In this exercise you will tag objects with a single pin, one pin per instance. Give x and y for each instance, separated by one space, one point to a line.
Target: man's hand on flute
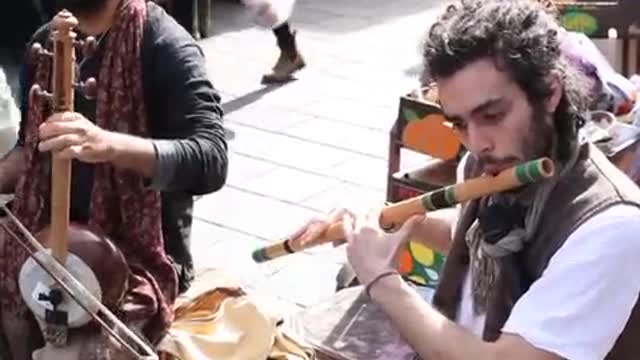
371 251
311 233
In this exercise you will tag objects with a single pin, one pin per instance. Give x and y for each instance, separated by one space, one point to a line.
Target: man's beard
535 144
82 7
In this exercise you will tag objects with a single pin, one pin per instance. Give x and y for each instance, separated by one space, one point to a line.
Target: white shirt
9 116
580 305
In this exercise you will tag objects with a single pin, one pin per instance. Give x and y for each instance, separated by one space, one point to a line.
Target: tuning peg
89 88
38 51
37 94
87 46
90 46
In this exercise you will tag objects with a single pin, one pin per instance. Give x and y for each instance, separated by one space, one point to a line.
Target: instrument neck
60 207
63 101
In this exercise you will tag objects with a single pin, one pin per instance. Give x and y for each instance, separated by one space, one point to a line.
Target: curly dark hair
523 38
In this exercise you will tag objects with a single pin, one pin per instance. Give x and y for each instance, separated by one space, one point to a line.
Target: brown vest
593 185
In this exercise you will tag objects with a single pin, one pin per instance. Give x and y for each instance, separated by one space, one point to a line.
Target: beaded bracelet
367 289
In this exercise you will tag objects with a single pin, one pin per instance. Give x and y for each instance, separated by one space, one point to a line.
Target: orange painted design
406 262
431 136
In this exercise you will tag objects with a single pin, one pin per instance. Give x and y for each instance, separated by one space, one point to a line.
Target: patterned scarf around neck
485 256
121 206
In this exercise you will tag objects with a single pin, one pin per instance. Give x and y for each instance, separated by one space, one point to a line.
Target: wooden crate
421 127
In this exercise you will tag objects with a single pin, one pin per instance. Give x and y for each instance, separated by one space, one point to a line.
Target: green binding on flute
260 255
263 254
530 172
526 173
439 199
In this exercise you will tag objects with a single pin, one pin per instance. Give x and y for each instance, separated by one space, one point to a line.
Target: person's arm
132 152
189 139
12 166
597 265
433 336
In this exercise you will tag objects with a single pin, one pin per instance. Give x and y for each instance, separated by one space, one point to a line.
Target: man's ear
555 84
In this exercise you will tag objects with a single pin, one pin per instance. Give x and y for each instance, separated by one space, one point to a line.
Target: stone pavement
312 144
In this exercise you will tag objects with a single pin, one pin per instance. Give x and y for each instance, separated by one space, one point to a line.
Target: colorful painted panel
421 264
575 19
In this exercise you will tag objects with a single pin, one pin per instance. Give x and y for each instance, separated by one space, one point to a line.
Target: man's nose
479 140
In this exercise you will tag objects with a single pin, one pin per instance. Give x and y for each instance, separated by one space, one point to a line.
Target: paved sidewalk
307 146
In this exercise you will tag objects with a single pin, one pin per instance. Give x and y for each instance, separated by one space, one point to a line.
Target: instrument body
78 291
93 259
394 215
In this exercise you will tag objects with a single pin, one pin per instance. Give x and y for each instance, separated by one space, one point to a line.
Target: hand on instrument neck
72 136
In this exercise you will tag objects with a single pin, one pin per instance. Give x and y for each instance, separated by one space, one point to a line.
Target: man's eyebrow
448 117
480 108
486 105
452 118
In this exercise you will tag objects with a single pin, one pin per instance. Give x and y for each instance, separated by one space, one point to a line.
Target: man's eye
493 116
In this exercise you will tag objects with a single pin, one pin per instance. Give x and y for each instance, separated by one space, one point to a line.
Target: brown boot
284 68
290 59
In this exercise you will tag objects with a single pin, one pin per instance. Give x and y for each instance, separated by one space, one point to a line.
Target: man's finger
310 237
62 117
59 143
303 229
52 129
347 228
71 152
298 233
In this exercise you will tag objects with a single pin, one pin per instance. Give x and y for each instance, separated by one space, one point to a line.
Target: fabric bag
224 323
